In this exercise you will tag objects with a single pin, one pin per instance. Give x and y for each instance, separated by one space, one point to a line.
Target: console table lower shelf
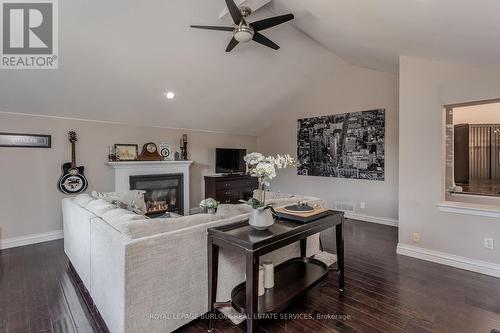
291 280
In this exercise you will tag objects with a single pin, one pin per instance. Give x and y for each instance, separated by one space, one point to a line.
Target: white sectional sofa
150 275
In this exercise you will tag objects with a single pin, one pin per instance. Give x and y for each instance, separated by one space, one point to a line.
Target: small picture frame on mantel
126 151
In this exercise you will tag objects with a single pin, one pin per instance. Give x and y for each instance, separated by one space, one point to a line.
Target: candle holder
183 147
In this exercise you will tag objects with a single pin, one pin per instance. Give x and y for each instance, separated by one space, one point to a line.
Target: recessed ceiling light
170 95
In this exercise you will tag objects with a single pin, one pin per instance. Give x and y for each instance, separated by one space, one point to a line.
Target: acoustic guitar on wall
73 180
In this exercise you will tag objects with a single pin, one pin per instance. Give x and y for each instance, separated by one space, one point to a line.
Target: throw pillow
100 210
131 200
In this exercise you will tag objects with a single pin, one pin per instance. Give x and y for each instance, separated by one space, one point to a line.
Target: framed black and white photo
20 140
126 152
348 145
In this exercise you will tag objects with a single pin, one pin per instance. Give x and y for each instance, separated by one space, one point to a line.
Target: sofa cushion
95 202
273 195
118 216
100 210
83 199
228 210
139 229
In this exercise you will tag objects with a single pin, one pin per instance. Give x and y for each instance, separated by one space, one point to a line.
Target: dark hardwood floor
384 293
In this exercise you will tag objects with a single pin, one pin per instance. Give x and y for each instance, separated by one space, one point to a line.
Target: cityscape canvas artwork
349 145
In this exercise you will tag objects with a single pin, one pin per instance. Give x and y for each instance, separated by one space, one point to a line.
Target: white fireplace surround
123 171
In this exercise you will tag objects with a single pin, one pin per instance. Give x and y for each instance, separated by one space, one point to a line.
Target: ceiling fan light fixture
243 33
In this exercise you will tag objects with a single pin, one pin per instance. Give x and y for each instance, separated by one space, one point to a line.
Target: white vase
211 210
261 219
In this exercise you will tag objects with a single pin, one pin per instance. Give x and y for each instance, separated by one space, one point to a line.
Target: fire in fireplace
164 193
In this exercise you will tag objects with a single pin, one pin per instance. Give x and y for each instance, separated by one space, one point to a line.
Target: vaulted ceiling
374 33
117 58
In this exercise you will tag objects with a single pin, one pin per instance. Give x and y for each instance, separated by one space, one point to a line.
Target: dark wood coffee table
292 278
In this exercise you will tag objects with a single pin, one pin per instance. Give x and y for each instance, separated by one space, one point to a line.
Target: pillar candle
261 281
268 274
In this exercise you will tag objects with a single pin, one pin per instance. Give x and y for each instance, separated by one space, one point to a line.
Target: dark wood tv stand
230 188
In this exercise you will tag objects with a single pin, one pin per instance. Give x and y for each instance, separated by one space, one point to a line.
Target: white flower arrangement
209 203
265 169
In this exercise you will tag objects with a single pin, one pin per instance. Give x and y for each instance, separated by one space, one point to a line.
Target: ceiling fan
243 31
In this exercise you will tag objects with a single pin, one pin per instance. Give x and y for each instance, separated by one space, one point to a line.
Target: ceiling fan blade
234 11
261 39
232 44
210 27
271 22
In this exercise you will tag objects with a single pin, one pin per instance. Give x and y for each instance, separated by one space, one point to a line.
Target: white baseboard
30 239
373 219
468 264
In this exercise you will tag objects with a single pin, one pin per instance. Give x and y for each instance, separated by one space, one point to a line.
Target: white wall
29 199
425 87
477 114
339 88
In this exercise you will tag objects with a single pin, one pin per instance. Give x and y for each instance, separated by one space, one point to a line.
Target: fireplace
124 170
164 192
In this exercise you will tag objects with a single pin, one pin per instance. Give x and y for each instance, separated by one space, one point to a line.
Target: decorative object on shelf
126 152
261 216
166 151
150 153
262 290
183 146
264 168
300 207
177 156
268 274
349 145
210 205
301 212
73 180
111 154
25 140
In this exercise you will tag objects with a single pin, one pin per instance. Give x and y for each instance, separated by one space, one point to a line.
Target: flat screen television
230 160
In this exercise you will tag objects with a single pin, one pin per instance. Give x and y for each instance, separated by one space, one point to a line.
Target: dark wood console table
292 278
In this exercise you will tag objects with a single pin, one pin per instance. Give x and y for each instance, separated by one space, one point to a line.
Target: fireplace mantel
142 164
123 171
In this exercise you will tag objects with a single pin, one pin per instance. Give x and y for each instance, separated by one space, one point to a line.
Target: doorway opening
475 160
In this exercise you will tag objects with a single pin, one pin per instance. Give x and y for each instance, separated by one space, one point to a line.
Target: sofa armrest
107 285
76 228
167 278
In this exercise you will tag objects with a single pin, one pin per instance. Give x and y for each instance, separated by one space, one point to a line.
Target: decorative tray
304 215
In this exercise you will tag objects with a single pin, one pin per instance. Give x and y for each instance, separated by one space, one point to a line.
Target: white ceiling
373 33
117 58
